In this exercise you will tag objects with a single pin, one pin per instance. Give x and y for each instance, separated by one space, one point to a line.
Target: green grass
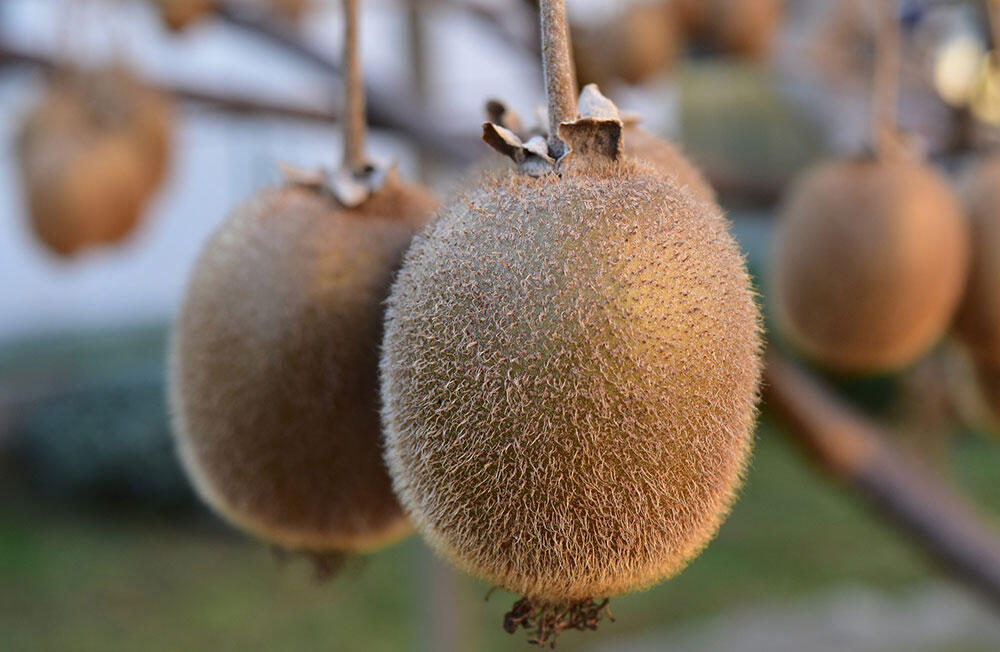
87 582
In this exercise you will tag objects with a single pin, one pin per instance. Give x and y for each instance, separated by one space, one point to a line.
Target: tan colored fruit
869 263
978 319
569 374
90 158
292 9
741 27
641 41
180 14
667 158
274 365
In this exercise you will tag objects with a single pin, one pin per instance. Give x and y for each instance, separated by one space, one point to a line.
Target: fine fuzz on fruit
667 159
569 374
869 263
91 155
274 365
978 319
640 41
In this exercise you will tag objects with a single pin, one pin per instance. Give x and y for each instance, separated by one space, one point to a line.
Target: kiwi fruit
640 41
91 154
274 364
744 28
178 15
668 159
569 374
293 10
977 323
869 263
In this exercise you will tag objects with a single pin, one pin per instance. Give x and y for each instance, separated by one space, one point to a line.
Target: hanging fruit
570 367
273 374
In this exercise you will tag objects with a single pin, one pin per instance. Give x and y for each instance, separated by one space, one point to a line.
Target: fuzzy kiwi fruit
91 153
274 364
668 159
869 263
640 41
978 321
569 373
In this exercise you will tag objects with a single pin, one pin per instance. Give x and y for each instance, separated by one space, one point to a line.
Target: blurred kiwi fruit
869 263
641 40
274 366
977 323
742 28
178 15
91 154
569 374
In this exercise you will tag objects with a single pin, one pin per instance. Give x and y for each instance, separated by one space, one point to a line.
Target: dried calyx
595 135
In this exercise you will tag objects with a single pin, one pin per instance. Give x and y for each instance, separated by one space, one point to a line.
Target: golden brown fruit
741 27
291 9
668 159
179 14
641 40
568 386
869 263
978 319
91 154
274 365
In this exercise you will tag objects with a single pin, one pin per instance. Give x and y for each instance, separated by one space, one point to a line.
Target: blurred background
103 545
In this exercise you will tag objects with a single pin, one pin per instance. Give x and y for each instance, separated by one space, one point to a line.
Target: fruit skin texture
978 321
869 263
668 159
569 375
274 364
91 154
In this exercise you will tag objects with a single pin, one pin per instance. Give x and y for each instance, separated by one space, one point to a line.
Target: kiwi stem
354 114
557 66
885 91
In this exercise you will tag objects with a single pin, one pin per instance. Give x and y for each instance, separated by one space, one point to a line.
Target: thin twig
885 89
354 114
557 65
908 495
993 12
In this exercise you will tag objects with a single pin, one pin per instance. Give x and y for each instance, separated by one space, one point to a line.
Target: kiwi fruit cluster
569 374
869 264
91 155
274 364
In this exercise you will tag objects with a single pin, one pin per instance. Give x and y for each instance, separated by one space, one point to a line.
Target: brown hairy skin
641 41
742 27
869 263
177 15
91 154
668 159
274 367
978 321
569 375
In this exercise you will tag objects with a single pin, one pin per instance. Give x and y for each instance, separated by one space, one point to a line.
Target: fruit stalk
354 114
557 66
993 11
885 91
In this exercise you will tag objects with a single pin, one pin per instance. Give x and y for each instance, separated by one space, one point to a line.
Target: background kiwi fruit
569 374
977 323
745 28
273 366
869 263
180 14
91 154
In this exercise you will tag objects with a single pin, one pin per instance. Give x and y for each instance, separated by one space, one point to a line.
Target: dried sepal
349 189
598 130
531 156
